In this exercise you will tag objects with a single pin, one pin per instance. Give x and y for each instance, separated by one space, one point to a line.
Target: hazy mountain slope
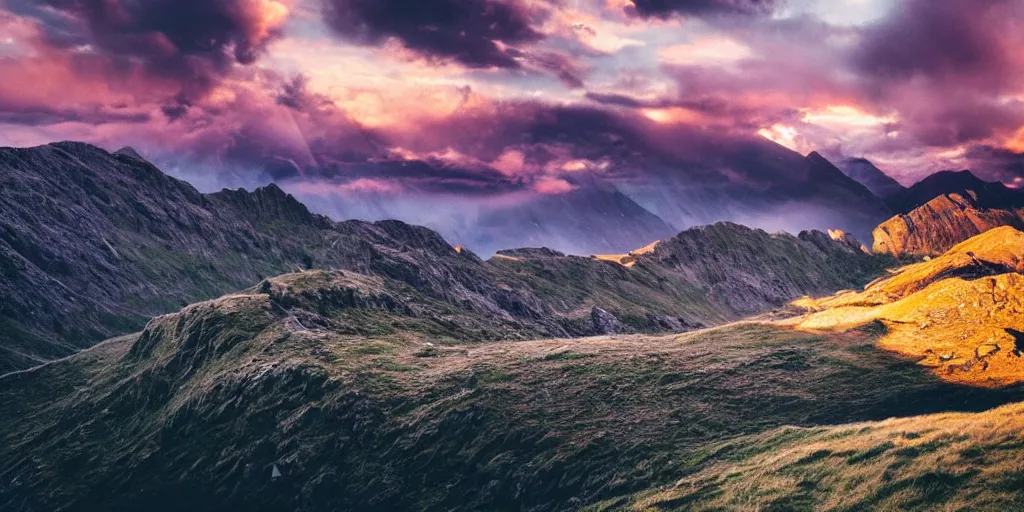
95 243
688 180
337 380
865 173
941 223
590 219
987 194
761 185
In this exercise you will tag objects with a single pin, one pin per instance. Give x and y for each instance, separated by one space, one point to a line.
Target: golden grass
963 327
628 260
936 462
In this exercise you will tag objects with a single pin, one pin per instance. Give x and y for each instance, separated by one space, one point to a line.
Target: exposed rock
605 322
986 350
940 224
668 323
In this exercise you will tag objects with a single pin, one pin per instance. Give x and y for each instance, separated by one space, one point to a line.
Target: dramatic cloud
477 33
190 43
489 98
953 69
997 164
701 7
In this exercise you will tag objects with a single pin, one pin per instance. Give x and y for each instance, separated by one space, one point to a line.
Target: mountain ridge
940 224
94 244
987 194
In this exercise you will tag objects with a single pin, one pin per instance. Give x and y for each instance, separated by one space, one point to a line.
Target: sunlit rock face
959 314
940 224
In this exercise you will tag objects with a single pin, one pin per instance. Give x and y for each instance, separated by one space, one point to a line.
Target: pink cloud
553 186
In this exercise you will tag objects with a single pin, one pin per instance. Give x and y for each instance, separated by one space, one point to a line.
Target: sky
481 97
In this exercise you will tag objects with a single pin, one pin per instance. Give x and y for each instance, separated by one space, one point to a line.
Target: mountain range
96 243
326 390
645 196
161 348
876 180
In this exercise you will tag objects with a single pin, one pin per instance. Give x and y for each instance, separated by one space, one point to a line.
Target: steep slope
865 173
92 244
339 381
940 224
987 194
762 185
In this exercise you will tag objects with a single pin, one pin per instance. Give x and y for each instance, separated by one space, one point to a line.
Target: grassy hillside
961 314
958 315
932 462
365 396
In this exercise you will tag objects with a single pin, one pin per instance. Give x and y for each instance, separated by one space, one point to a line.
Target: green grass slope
368 395
962 462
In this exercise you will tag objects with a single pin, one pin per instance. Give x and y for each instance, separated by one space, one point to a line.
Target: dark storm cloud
956 40
991 163
561 66
433 176
472 32
663 8
708 105
36 115
193 43
945 67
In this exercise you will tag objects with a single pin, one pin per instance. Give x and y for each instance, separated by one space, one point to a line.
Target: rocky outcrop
940 224
605 322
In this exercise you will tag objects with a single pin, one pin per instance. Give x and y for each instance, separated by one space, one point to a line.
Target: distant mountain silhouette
865 172
986 194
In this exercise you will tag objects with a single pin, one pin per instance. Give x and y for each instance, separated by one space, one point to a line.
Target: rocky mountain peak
864 171
268 203
941 223
129 152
